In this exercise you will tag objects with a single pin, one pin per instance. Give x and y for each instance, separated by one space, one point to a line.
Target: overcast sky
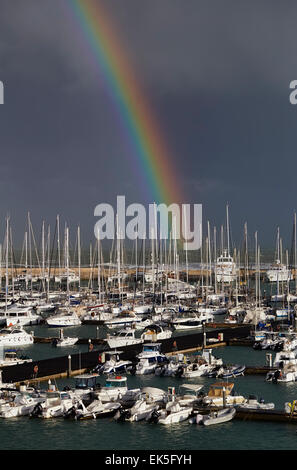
216 73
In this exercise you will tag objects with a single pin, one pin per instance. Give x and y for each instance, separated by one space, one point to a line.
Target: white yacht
112 363
15 336
56 404
116 389
125 337
141 410
149 359
174 411
10 358
68 318
123 319
69 277
213 310
279 273
202 365
225 269
22 405
19 315
192 320
64 340
96 409
156 332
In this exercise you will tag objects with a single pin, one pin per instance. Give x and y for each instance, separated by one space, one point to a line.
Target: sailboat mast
6 271
99 266
79 256
228 237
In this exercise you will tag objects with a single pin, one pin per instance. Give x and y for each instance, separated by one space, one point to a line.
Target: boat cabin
111 356
86 381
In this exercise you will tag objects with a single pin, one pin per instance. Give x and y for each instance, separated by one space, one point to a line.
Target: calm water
33 434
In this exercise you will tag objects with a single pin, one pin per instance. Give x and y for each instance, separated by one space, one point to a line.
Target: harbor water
25 433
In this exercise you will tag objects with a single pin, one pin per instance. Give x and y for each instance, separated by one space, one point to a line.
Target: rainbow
151 158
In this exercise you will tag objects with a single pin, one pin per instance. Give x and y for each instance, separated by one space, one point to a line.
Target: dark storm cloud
217 76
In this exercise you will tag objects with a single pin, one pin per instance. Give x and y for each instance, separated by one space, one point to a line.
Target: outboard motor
71 413
154 418
132 369
179 372
163 370
37 410
276 376
123 415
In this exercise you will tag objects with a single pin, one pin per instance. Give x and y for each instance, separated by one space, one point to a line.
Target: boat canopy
192 387
85 381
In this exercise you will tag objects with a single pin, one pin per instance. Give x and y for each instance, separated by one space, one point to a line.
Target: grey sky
217 76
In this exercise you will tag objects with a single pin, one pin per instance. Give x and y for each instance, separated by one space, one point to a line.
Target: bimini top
193 387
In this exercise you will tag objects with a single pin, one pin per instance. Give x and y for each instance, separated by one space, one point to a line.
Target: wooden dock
266 415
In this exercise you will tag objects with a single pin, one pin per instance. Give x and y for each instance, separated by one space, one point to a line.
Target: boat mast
295 253
209 253
6 270
186 245
48 259
67 261
30 251
118 255
228 241
26 259
246 260
256 266
215 257
143 270
43 257
59 248
11 258
79 256
99 266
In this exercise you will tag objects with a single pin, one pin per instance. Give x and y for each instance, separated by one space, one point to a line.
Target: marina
148 230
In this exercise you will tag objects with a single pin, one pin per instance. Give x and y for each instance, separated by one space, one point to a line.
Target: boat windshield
124 334
151 347
83 382
115 383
